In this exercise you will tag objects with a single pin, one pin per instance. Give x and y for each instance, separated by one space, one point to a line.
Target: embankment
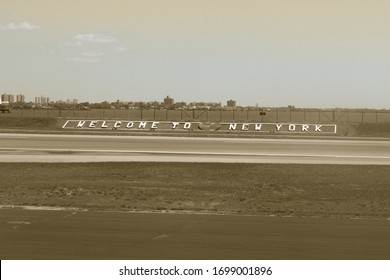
51 124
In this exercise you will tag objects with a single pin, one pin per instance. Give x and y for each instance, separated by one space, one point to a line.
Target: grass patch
11 122
253 189
373 129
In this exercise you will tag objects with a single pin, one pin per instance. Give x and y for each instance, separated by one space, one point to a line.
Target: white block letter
154 125
93 124
104 125
142 125
117 124
80 124
232 126
318 128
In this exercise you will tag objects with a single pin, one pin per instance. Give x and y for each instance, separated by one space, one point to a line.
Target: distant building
181 105
8 97
42 100
168 102
231 103
20 98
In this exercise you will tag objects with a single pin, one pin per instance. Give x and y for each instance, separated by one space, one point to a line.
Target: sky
305 53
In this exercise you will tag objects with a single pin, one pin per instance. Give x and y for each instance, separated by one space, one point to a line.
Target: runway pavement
38 234
91 148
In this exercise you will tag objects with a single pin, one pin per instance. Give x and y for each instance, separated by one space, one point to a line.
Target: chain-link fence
269 115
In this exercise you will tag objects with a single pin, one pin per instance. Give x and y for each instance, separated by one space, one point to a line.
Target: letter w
80 124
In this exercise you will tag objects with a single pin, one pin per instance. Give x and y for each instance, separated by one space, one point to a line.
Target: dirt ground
243 189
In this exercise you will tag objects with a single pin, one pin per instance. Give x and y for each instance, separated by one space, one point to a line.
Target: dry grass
12 122
253 189
373 130
49 124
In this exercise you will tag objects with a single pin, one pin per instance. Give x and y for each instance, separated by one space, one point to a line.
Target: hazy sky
307 53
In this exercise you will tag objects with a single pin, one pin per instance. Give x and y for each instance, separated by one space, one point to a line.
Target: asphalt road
84 148
27 234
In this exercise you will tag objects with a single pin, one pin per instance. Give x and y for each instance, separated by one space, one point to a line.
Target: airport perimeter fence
270 115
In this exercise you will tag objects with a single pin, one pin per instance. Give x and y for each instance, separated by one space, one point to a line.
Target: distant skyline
306 53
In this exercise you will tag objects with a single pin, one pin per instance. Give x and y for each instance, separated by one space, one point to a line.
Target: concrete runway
35 234
91 148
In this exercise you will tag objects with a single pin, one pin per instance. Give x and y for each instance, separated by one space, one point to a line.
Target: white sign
189 126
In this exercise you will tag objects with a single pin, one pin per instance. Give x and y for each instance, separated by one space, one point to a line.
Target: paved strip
83 148
38 234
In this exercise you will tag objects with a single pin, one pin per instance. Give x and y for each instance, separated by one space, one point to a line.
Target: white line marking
100 151
70 215
19 223
160 237
65 124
